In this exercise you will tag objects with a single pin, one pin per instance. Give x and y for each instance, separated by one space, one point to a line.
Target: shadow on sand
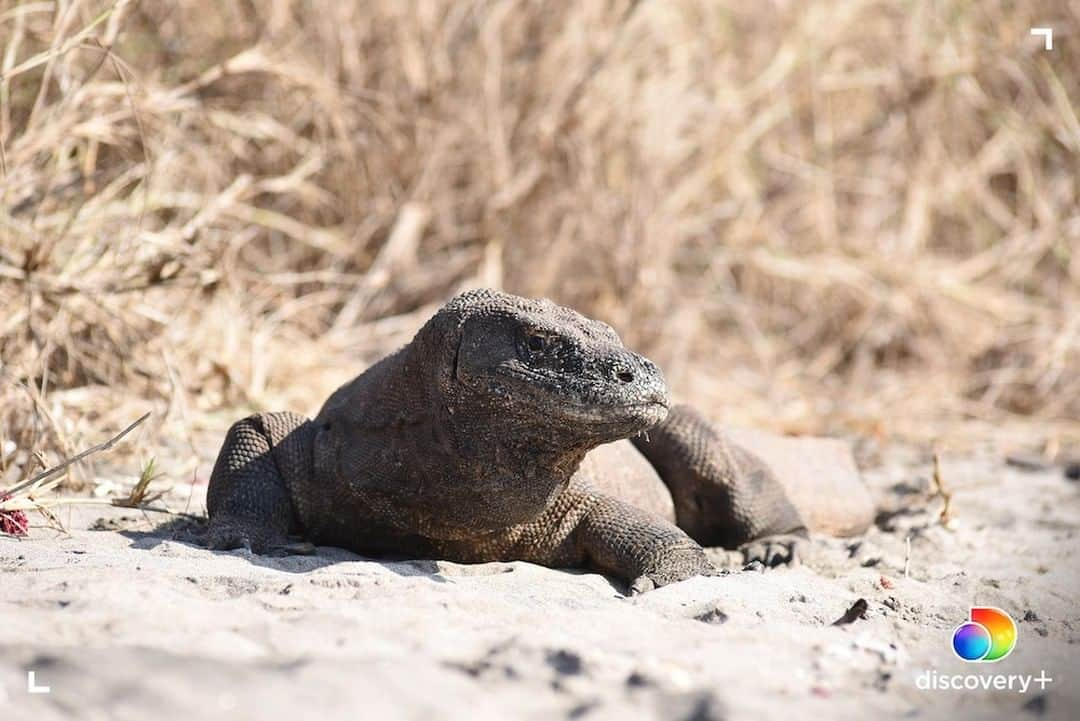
191 531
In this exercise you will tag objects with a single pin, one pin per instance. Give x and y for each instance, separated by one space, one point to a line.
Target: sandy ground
133 623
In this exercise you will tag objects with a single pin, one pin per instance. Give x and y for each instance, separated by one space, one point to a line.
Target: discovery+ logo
989 635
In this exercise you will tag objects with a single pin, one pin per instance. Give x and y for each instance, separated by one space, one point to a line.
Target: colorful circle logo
989 636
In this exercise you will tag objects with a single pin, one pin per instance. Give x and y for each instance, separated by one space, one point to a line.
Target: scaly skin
468 444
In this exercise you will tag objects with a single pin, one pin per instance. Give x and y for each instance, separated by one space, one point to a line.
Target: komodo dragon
499 433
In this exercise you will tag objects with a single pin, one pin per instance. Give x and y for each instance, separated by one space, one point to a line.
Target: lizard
507 429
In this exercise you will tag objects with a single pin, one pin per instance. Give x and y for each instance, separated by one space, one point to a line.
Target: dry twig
940 491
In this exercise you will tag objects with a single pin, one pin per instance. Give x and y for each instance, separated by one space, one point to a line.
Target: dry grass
842 216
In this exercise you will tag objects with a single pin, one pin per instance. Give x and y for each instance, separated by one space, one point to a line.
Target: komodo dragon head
545 370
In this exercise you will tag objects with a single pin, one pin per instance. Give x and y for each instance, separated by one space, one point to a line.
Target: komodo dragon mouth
593 405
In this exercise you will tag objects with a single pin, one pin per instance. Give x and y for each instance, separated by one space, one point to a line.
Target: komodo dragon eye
536 343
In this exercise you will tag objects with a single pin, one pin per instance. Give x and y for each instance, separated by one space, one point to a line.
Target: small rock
712 615
857 611
565 662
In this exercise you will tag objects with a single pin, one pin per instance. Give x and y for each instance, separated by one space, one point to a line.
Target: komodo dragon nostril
625 376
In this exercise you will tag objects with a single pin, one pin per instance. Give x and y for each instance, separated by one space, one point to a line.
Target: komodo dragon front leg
249 498
626 542
586 528
723 494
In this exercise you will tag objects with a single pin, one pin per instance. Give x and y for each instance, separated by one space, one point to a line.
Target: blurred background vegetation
837 216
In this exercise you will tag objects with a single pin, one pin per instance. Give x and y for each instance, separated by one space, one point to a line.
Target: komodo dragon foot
772 551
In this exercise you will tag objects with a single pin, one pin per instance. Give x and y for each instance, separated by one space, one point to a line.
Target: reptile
507 429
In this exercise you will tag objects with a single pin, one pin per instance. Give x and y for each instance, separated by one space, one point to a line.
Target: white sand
129 625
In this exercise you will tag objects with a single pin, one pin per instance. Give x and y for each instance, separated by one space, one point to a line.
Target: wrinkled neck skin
491 440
